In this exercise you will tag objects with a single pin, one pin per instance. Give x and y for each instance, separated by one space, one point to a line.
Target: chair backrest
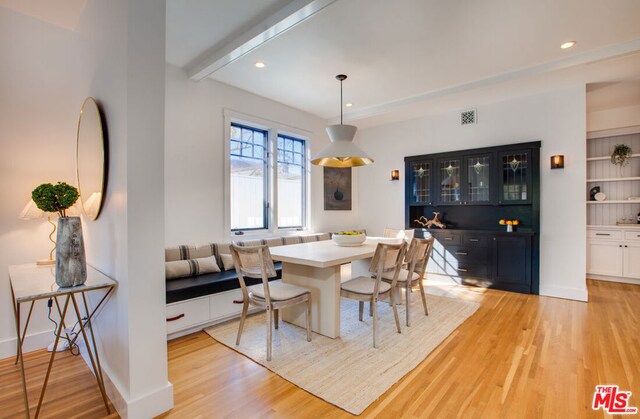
387 258
418 254
253 262
398 234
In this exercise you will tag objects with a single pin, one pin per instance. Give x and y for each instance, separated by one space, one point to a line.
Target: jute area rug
348 372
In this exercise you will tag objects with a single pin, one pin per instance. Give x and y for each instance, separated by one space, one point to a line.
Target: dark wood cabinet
472 190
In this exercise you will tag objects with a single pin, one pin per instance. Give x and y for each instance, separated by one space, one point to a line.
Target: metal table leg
16 312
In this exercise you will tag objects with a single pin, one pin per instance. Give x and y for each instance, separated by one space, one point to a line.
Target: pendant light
341 152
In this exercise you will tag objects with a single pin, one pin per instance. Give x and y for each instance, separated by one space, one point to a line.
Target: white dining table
317 266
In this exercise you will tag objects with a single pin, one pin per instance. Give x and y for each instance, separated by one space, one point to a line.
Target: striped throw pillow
191 267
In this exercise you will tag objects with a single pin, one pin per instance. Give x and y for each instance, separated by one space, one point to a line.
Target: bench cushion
201 285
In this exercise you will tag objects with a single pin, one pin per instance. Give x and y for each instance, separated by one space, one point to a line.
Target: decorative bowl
348 240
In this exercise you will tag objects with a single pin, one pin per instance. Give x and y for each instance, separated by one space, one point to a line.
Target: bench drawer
632 235
189 313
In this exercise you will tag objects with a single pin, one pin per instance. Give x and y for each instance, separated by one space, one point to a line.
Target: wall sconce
395 175
557 162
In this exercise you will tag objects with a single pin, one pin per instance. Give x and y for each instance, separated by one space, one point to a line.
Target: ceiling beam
281 21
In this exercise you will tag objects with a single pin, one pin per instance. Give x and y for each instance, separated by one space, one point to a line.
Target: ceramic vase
71 264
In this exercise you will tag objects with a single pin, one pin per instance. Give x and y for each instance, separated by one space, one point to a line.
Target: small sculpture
425 222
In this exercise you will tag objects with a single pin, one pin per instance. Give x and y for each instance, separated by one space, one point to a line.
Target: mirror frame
90 101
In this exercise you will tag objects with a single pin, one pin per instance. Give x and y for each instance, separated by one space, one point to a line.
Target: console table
30 283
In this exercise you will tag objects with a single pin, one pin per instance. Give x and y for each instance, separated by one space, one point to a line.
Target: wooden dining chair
398 234
416 261
387 259
255 262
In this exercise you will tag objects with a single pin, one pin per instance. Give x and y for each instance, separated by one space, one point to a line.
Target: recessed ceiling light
260 64
348 105
568 44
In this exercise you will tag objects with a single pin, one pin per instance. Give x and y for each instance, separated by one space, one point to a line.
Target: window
291 181
268 179
249 178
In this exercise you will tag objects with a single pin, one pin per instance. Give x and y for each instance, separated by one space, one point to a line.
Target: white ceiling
396 52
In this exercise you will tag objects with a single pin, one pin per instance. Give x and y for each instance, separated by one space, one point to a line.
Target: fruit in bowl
348 238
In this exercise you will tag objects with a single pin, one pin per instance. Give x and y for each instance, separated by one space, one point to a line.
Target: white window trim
273 128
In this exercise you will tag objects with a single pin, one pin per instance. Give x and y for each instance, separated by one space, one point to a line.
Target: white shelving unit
616 183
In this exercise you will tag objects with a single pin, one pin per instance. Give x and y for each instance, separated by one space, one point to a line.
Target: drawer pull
474 240
463 270
604 234
461 253
448 238
178 317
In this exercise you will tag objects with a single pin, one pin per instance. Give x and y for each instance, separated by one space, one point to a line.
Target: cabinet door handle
619 245
461 253
448 238
172 319
463 270
477 240
605 234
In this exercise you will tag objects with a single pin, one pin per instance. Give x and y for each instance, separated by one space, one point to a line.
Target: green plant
621 154
55 198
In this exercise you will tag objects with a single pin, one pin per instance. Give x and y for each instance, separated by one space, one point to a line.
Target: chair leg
408 290
395 311
309 319
275 318
424 298
360 309
269 327
374 309
245 308
370 309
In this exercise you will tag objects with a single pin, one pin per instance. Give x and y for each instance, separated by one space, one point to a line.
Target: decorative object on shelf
511 224
341 152
600 196
395 175
91 158
348 238
621 155
633 198
71 265
593 191
557 161
425 222
337 189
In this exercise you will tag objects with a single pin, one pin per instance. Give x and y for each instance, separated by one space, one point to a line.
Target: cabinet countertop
518 232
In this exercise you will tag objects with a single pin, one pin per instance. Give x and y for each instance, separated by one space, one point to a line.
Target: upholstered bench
202 282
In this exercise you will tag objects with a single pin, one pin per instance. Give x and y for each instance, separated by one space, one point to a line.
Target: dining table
318 266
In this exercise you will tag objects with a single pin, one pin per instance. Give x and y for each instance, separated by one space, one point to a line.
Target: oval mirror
91 158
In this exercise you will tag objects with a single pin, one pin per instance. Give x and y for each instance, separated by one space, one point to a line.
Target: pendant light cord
341 102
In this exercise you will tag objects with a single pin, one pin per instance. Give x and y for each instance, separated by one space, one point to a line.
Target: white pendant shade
341 152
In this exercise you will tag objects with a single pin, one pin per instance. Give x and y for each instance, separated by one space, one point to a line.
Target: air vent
468 117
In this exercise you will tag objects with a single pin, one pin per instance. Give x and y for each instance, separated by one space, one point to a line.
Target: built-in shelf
613 202
607 157
613 179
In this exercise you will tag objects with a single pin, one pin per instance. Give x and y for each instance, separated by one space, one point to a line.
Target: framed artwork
337 189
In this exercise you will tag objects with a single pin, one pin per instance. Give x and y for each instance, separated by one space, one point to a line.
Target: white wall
116 54
194 150
558 119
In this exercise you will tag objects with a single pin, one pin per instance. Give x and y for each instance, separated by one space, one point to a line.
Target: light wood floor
518 356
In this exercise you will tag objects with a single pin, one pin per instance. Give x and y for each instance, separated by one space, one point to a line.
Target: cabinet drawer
475 240
463 254
448 239
186 314
604 234
632 235
473 270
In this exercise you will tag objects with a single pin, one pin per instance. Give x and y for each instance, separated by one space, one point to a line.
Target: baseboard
33 342
576 294
614 279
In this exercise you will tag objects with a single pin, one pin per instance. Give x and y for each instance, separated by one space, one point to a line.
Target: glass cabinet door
449 178
515 177
420 172
477 185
